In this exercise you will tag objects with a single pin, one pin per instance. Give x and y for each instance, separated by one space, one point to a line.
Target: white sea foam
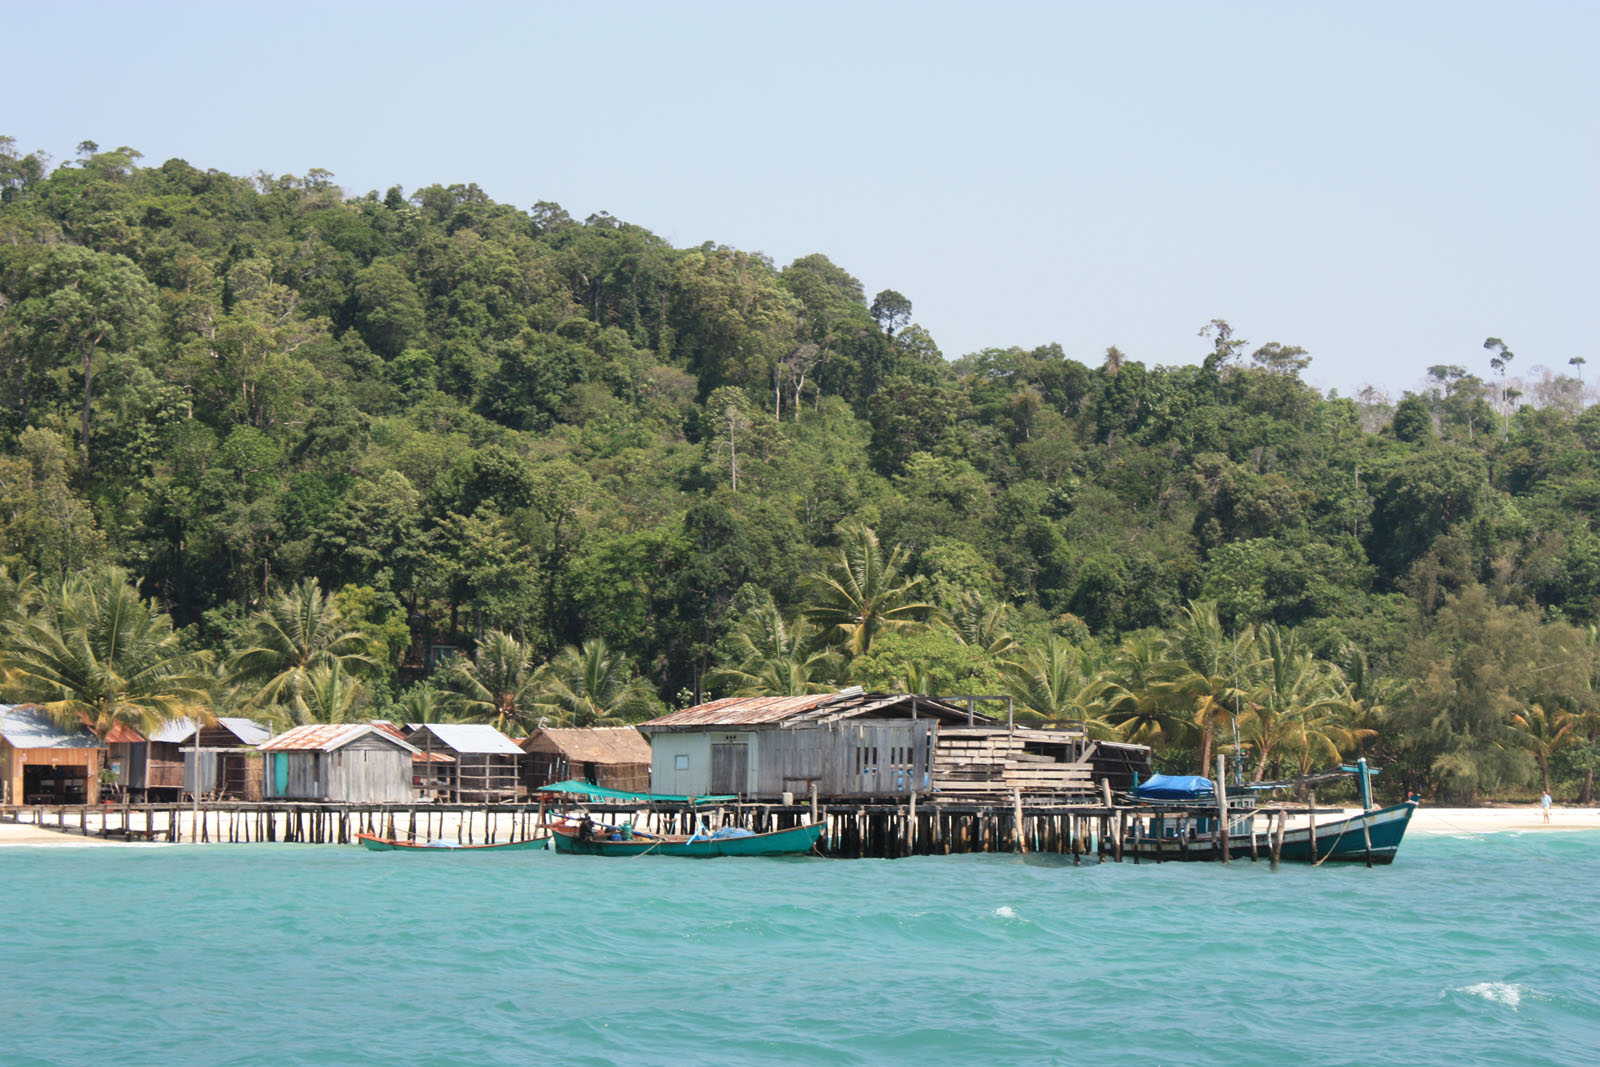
1006 911
1506 993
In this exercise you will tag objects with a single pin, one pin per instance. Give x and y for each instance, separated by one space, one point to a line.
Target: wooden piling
1222 807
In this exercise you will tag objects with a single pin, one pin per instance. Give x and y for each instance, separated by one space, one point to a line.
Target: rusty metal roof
326 737
814 707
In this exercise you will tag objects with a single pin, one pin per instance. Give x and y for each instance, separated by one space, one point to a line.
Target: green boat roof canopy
600 792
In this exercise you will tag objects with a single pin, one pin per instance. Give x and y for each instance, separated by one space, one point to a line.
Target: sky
1384 184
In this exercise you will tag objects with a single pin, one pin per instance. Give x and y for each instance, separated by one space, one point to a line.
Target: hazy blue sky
1383 183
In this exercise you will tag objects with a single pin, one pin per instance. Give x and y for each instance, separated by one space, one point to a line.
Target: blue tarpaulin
1174 787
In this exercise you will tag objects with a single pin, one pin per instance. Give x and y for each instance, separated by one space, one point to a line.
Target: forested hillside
332 438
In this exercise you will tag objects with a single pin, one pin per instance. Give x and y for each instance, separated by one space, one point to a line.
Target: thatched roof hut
617 757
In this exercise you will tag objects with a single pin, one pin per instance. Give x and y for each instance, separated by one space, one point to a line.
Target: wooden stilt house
431 772
343 762
617 757
487 764
853 744
229 756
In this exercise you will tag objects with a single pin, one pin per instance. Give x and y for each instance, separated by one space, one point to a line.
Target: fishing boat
375 843
591 839
1178 826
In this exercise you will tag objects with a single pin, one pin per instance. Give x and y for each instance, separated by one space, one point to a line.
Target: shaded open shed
617 757
42 762
487 767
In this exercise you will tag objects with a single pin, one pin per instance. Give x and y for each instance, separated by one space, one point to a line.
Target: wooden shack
846 744
487 764
431 772
43 763
229 757
127 754
343 762
617 757
852 744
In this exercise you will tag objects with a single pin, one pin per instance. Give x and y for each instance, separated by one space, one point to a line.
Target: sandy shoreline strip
1427 820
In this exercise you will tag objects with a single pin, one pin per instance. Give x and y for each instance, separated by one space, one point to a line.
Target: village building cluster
847 745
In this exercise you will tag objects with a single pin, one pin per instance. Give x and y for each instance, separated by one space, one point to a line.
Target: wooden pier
1092 829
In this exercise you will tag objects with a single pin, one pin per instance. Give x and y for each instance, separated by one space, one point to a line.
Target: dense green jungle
271 449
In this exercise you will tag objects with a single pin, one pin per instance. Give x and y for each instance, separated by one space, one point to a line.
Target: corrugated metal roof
472 738
740 711
599 744
815 707
122 734
174 731
326 737
248 731
421 757
25 726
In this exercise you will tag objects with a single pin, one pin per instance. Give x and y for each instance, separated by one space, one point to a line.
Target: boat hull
384 844
1339 841
793 842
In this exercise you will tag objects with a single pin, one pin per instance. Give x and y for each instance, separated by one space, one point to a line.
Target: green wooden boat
591 840
389 844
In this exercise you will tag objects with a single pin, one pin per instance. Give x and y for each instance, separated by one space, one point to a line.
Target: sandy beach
1504 819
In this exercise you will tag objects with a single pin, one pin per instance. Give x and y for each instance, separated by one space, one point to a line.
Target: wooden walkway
1092 830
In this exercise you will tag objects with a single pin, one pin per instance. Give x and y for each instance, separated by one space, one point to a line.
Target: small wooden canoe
600 841
387 844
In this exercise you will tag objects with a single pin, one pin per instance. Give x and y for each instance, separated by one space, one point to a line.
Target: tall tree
96 653
864 592
497 686
1205 672
300 628
591 686
74 305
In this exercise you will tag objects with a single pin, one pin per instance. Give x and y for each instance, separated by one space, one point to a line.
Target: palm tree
94 653
976 622
496 686
300 628
1292 684
591 686
1544 733
1323 736
1128 698
329 695
423 703
863 592
776 658
1203 673
1056 683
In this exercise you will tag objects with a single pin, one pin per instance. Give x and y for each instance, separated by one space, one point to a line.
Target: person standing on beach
1544 805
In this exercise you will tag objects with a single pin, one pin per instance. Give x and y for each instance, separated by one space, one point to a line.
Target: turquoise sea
1478 949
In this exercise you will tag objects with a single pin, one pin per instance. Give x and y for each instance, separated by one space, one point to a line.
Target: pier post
1311 822
1222 806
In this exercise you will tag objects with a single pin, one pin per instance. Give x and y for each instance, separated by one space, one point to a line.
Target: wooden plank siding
853 758
364 771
